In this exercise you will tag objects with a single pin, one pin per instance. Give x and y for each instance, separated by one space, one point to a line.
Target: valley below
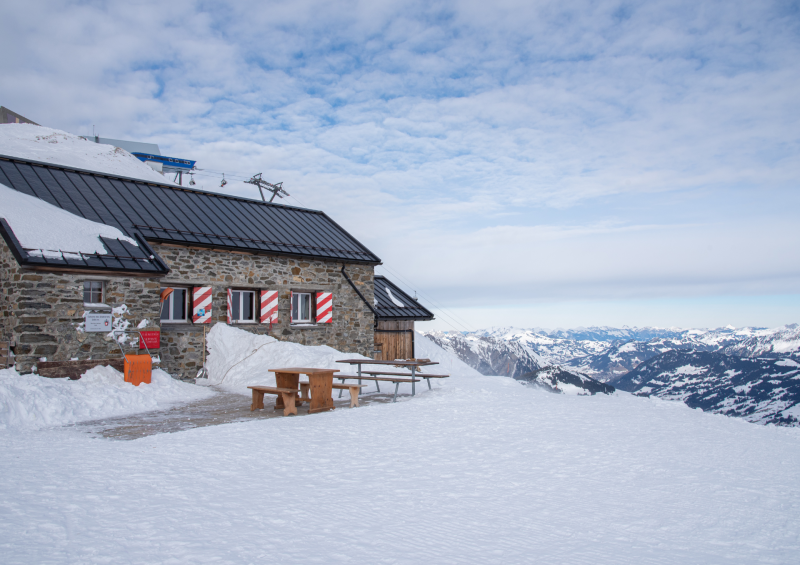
749 372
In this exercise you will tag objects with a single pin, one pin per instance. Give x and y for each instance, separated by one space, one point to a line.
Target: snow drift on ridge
48 145
30 401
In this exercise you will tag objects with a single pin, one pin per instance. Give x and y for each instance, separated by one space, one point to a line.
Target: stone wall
351 330
43 312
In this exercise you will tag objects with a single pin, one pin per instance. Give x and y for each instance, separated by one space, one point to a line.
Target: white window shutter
229 306
291 306
201 304
324 308
269 306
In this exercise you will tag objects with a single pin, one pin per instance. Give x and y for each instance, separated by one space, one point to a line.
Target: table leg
286 380
321 392
413 378
288 399
304 393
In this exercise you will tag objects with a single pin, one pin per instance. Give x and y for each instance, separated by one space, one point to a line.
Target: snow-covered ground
479 470
48 145
31 401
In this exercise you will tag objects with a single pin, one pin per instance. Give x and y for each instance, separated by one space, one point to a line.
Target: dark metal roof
388 310
121 256
172 214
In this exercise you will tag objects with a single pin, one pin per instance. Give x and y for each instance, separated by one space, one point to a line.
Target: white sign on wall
98 322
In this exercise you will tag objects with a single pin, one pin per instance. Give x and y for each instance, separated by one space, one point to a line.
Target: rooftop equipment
275 189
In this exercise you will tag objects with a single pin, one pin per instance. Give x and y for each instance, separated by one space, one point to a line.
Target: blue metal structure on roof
169 164
179 215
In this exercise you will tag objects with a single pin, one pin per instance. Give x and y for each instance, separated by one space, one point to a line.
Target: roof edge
153 183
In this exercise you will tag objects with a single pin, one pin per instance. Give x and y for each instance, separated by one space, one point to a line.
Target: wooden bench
354 390
288 395
418 375
377 380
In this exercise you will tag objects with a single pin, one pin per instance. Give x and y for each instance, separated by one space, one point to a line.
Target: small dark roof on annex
181 215
389 309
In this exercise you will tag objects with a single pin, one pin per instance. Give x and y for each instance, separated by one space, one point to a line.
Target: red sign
152 339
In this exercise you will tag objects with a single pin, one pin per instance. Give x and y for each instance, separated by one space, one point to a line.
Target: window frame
102 291
242 292
187 311
312 307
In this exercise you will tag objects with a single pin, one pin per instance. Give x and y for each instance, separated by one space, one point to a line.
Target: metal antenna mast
275 189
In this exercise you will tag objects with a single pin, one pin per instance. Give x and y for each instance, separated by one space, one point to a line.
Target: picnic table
412 365
320 382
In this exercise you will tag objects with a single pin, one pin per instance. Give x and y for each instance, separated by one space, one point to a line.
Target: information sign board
98 322
152 339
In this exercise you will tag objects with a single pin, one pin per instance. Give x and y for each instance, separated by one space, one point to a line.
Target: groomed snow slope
48 145
31 401
482 470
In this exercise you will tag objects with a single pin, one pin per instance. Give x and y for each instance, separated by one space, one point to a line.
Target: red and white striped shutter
324 308
269 306
291 306
201 304
229 306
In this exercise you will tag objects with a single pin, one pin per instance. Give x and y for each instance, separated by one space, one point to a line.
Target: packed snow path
222 408
484 470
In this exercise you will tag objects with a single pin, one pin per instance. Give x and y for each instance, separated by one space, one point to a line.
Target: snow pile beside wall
39 225
31 401
49 145
237 358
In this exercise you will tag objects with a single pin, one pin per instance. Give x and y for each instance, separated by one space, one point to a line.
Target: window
301 307
175 306
92 292
243 306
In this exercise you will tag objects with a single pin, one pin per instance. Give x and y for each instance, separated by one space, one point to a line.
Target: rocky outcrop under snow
489 356
559 380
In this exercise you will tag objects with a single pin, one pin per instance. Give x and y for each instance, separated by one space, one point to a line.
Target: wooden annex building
395 313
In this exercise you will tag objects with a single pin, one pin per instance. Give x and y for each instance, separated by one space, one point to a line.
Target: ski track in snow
482 470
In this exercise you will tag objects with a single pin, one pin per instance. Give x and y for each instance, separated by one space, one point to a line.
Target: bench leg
304 388
354 396
377 384
429 384
340 390
396 386
258 400
288 400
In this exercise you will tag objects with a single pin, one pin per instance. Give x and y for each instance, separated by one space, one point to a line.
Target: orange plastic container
138 369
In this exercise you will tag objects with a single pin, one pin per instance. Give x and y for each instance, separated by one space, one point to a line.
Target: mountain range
649 361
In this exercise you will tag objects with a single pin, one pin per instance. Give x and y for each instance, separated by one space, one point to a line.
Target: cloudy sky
547 164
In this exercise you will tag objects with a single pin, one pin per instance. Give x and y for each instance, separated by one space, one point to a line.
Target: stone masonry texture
43 311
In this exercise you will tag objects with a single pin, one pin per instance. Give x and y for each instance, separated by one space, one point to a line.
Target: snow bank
61 148
31 401
238 358
39 225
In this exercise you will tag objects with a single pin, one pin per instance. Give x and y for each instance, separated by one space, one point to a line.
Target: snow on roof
39 225
48 145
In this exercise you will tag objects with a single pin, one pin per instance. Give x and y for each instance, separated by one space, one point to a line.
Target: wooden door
395 340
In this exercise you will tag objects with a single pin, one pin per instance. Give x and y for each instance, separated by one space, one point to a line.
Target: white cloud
455 139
